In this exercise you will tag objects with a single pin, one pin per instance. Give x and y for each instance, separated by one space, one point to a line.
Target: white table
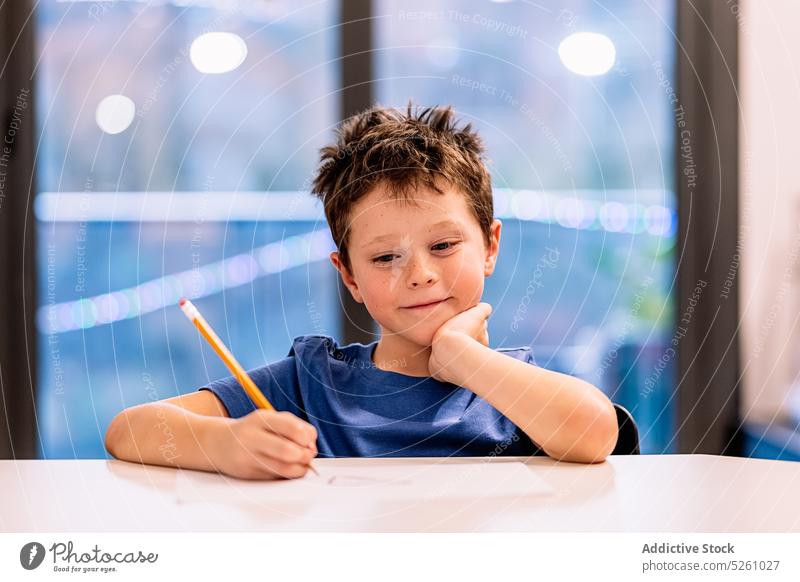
669 493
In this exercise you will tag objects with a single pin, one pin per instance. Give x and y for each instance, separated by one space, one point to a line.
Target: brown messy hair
401 151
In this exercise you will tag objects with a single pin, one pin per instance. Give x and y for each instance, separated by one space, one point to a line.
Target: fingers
270 444
289 426
282 457
483 309
284 450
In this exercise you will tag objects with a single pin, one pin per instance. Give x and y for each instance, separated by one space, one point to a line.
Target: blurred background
160 177
174 146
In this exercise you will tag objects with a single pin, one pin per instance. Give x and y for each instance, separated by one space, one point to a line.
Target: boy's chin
422 337
419 332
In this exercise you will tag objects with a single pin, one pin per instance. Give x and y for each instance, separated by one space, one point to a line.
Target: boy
408 200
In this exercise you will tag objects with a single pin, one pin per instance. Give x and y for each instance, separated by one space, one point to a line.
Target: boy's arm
568 418
194 432
173 432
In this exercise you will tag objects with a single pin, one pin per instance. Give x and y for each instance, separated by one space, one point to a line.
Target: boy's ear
347 278
493 249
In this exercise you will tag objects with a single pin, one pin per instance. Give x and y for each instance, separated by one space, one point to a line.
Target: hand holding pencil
278 440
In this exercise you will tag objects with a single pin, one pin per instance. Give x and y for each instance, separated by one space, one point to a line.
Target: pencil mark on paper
354 480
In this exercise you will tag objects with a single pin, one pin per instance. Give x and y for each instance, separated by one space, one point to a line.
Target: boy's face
404 254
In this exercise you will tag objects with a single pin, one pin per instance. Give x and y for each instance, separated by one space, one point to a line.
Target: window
157 181
159 178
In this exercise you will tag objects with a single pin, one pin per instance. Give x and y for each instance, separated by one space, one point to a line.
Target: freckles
382 287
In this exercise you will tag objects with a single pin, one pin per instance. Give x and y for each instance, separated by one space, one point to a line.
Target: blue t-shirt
360 410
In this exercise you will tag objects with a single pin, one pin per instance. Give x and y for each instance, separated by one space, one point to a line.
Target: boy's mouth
427 305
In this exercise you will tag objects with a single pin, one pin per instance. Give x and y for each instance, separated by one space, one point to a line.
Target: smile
426 306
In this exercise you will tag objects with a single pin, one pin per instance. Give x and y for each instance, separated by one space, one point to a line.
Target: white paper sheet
342 483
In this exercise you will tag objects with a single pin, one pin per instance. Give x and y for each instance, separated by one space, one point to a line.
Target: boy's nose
417 283
420 274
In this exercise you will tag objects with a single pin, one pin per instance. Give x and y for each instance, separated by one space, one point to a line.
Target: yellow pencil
226 356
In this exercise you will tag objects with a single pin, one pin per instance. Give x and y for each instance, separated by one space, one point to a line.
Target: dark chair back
628 439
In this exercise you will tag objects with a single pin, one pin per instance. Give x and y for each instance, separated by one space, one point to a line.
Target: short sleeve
277 381
232 395
523 354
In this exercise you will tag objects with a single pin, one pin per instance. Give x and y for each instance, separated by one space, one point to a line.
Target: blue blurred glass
106 341
593 298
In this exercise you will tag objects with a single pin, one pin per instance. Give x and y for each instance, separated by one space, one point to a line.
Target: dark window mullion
18 350
708 356
356 94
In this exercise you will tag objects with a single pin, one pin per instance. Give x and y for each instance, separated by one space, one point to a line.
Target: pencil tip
182 301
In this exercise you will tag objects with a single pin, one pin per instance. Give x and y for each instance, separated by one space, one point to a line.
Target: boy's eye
442 246
438 246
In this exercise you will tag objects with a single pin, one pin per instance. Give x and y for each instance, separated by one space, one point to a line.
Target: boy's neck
395 354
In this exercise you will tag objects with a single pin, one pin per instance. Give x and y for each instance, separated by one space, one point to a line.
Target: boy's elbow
598 446
110 440
604 433
115 435
587 452
597 436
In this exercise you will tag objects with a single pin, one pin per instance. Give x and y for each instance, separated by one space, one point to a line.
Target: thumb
486 308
